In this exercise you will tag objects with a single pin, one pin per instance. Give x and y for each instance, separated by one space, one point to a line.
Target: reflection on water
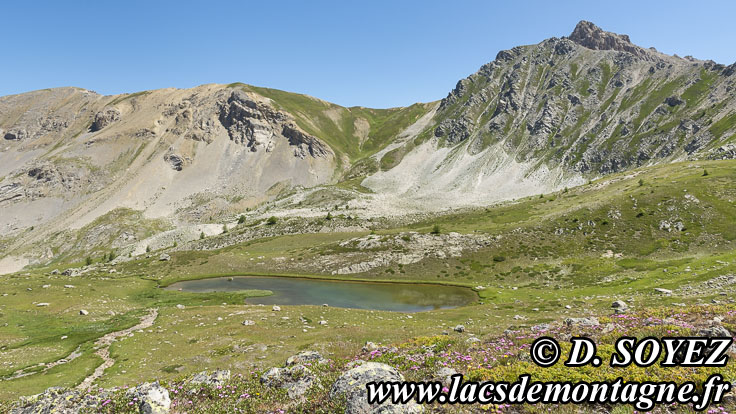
401 297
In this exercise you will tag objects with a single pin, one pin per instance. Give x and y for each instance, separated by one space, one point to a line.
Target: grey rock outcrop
152 398
257 125
296 379
15 134
593 37
57 400
577 322
619 306
306 358
715 331
176 162
218 377
105 118
352 387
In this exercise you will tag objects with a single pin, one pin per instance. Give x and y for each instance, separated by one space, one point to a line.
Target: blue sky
369 53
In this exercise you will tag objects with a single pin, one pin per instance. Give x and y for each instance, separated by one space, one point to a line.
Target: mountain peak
589 35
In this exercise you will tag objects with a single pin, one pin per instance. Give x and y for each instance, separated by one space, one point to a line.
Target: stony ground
308 382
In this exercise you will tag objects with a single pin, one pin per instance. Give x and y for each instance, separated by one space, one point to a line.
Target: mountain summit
589 35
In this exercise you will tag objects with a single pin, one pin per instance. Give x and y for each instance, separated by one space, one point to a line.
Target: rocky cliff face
592 103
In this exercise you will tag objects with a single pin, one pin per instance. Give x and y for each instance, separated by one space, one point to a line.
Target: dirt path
29 370
103 347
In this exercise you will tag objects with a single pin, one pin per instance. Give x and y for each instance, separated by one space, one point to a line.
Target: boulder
663 291
71 272
619 306
305 358
459 328
369 346
715 331
175 161
276 308
444 375
164 257
152 398
574 322
296 380
351 386
83 312
473 341
15 134
219 377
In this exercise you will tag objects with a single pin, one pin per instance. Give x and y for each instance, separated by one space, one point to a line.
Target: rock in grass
351 385
620 306
276 308
444 375
715 331
164 257
71 272
663 291
573 322
57 400
296 380
152 398
305 358
219 377
248 322
459 328
83 312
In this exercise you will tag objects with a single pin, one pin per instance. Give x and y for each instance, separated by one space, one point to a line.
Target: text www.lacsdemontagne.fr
642 395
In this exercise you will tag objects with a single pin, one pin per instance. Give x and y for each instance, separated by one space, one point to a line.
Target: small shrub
88 261
499 258
272 220
148 249
241 219
201 236
705 172
641 182
224 228
436 229
329 216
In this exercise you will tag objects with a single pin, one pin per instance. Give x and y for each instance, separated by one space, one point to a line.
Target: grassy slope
336 124
530 271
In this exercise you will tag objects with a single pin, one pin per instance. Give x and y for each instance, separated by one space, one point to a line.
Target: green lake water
400 297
